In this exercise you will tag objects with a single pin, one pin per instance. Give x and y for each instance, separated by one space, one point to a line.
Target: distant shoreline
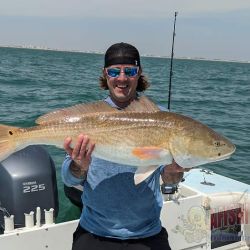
101 53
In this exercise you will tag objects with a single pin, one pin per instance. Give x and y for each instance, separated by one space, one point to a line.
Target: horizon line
34 47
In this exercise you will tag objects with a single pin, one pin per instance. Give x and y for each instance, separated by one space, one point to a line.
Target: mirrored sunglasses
128 71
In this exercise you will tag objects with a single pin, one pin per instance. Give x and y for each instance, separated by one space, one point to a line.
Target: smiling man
117 213
122 74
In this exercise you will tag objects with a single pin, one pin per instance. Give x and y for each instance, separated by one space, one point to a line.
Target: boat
205 211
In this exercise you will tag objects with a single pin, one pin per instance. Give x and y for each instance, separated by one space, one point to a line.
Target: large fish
141 135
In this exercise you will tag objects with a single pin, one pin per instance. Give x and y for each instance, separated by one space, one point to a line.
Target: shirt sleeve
67 177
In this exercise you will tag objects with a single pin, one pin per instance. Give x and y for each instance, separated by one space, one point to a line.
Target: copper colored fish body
140 136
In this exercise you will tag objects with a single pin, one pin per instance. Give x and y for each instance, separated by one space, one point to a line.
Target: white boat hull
193 217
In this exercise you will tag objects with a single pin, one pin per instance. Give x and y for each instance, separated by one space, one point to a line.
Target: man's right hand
80 154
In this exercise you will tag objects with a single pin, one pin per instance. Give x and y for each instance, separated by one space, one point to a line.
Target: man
117 214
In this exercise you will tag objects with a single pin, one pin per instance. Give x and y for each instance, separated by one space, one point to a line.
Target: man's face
122 82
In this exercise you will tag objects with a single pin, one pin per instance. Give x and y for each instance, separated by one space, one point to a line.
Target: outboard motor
27 181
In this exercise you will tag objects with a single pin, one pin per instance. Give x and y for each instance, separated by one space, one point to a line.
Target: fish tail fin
7 144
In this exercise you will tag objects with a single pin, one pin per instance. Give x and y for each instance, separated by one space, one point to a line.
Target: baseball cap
121 53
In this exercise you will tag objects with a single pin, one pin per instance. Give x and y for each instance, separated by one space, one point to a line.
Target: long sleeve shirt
113 205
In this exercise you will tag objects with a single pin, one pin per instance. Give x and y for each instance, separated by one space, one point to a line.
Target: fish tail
7 144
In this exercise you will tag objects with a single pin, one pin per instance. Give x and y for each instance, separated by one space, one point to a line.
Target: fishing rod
171 64
172 188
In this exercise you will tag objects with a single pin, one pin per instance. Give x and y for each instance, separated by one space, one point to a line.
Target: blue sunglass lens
129 71
113 72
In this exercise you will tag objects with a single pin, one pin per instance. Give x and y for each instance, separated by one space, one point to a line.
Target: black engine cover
27 181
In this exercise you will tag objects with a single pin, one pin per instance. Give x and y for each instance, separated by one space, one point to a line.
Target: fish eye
10 132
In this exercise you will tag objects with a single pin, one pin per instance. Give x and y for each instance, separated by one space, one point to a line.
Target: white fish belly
124 155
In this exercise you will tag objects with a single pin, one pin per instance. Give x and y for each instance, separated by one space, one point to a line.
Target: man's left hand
173 173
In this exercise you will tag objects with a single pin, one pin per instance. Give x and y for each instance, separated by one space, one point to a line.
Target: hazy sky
204 28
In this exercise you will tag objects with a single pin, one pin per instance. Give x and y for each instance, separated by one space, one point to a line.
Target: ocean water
33 82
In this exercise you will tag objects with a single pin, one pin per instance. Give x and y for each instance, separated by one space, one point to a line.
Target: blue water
33 82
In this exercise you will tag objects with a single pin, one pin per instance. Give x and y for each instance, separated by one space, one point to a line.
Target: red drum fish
140 135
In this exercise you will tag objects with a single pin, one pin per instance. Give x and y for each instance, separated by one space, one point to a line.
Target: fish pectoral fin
148 153
143 173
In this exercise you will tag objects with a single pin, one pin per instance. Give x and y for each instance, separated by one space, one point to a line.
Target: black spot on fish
10 132
219 154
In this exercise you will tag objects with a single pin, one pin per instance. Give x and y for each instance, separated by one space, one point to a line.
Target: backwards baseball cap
121 53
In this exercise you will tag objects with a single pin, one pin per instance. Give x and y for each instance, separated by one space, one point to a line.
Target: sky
213 29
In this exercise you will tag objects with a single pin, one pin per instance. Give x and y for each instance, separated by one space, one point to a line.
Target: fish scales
94 125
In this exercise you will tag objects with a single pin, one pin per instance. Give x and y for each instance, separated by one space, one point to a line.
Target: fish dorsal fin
142 104
75 112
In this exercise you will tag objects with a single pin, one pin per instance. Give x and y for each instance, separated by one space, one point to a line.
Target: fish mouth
225 156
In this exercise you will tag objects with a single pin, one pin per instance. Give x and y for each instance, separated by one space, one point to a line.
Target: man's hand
173 173
80 154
